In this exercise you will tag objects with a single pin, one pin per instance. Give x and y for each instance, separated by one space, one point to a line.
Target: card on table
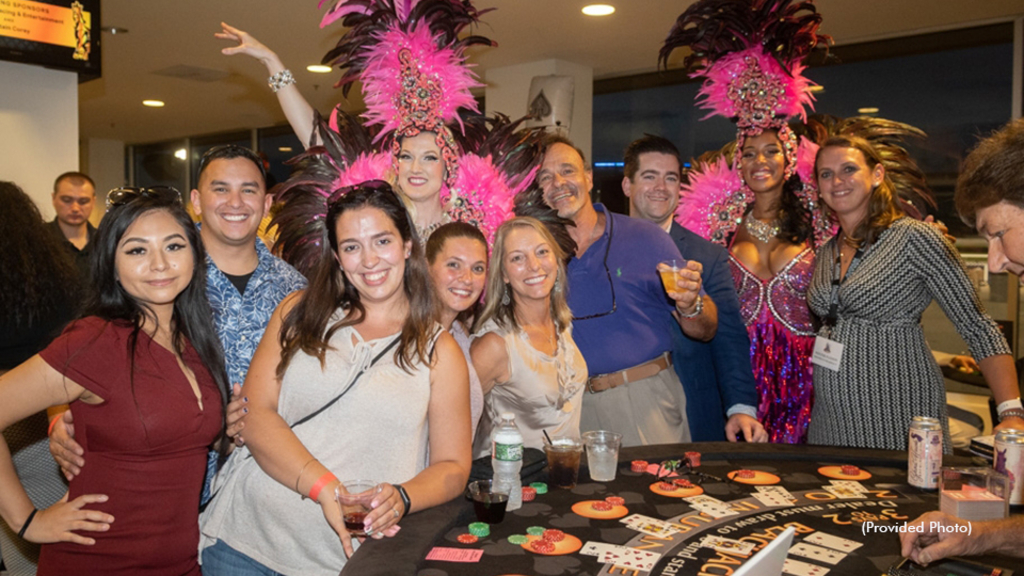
776 490
728 545
711 506
817 553
833 542
772 499
798 568
455 554
851 484
631 558
843 491
648 525
598 548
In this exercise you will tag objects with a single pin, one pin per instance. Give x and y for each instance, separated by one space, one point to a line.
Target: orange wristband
53 423
315 490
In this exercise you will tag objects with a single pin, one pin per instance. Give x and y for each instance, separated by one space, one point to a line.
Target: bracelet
314 492
53 423
301 470
21 533
1008 405
405 498
1011 413
280 80
696 311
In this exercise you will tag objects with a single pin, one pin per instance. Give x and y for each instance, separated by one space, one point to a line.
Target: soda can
924 453
1009 459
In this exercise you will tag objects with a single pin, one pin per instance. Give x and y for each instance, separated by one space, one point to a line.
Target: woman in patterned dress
890 268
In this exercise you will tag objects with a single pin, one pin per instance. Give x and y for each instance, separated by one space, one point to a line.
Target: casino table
816 513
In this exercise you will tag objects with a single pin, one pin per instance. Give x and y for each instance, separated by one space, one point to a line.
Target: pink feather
806 156
711 189
487 190
365 167
338 12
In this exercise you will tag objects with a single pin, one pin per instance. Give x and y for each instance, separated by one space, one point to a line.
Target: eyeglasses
121 196
608 273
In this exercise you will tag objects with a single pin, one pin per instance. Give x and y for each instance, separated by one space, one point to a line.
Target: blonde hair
504 314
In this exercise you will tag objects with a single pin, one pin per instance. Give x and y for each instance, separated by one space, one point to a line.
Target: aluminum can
1009 459
924 453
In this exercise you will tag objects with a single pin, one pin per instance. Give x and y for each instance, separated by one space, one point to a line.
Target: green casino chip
480 529
540 487
518 539
535 530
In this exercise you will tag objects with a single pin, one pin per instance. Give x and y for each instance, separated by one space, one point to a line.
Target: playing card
631 558
648 525
598 548
711 506
833 542
776 490
817 553
851 484
771 499
842 491
736 547
798 568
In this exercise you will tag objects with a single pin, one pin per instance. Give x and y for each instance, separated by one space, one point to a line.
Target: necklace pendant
762 231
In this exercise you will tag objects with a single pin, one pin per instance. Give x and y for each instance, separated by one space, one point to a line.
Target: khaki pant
648 411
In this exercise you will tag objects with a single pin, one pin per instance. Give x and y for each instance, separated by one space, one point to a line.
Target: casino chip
468 539
480 529
535 530
601 505
543 546
553 535
529 493
849 470
683 483
666 485
615 500
746 474
518 539
638 466
693 458
540 487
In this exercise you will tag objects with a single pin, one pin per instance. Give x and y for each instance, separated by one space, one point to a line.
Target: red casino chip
553 535
693 458
639 466
615 500
601 505
529 494
666 485
746 474
468 539
849 470
543 546
683 483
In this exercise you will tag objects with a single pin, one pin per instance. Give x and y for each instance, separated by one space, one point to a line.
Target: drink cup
563 461
488 504
602 454
669 270
356 504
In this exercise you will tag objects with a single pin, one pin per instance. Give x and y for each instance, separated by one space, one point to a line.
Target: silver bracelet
696 311
1011 413
280 80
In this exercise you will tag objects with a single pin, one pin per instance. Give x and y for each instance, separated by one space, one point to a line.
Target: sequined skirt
781 361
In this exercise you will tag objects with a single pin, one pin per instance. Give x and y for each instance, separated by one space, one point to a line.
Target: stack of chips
693 458
529 493
639 466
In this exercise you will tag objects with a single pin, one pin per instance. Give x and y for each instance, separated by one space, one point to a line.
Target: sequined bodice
784 296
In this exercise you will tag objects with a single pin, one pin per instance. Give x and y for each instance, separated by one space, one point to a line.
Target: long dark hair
795 220
38 273
306 327
192 318
435 244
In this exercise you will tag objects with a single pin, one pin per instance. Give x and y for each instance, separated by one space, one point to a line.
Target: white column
38 128
103 161
508 89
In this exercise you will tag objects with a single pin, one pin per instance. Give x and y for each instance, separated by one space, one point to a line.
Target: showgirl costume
759 89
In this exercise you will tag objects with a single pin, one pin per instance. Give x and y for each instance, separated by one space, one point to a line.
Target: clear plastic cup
602 454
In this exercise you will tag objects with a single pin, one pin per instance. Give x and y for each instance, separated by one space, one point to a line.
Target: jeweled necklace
763 231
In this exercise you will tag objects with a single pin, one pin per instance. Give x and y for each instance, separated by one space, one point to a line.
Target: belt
639 372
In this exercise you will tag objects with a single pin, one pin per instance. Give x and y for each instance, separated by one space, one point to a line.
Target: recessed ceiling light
867 110
181 153
598 9
319 69
153 103
285 149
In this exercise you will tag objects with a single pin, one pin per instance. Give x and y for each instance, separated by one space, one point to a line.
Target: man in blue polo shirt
716 375
623 317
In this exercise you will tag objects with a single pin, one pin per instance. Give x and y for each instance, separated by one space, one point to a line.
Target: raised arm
296 109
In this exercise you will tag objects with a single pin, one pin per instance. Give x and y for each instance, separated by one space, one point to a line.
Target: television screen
61 34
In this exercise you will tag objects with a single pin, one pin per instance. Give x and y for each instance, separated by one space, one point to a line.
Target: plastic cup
563 461
669 272
355 505
488 504
602 454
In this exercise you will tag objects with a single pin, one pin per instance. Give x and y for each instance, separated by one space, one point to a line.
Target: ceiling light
153 103
114 30
285 149
181 154
867 110
319 69
598 9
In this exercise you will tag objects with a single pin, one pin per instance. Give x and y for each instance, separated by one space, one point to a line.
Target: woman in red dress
143 372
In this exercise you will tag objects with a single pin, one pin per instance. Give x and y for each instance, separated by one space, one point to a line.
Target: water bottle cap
508 415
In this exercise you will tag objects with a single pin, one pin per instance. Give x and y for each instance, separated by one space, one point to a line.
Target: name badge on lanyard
827 352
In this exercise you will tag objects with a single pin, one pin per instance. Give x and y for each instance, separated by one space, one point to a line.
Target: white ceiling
166 34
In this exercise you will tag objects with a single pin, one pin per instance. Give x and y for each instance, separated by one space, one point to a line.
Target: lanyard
837 281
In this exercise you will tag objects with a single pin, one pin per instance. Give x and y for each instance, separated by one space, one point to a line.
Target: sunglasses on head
121 196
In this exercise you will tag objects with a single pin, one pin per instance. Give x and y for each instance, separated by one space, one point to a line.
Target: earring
558 286
505 300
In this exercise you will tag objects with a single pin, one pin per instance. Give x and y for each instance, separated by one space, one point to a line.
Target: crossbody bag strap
351 384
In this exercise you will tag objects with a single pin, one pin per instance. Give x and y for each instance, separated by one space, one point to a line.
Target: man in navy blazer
721 396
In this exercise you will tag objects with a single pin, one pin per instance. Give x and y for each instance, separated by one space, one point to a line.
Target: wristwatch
696 311
405 498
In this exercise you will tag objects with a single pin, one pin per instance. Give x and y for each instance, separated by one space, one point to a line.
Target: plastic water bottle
507 459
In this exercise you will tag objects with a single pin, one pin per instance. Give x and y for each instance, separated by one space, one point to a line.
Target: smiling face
372 254
1002 224
232 199
763 163
154 260
458 273
420 167
846 181
529 264
654 190
565 180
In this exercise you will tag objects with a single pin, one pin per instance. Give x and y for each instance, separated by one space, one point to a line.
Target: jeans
223 560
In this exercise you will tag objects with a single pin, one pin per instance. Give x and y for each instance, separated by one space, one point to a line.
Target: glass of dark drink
355 505
563 461
488 504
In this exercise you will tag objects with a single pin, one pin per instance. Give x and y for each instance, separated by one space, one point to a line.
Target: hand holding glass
355 504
